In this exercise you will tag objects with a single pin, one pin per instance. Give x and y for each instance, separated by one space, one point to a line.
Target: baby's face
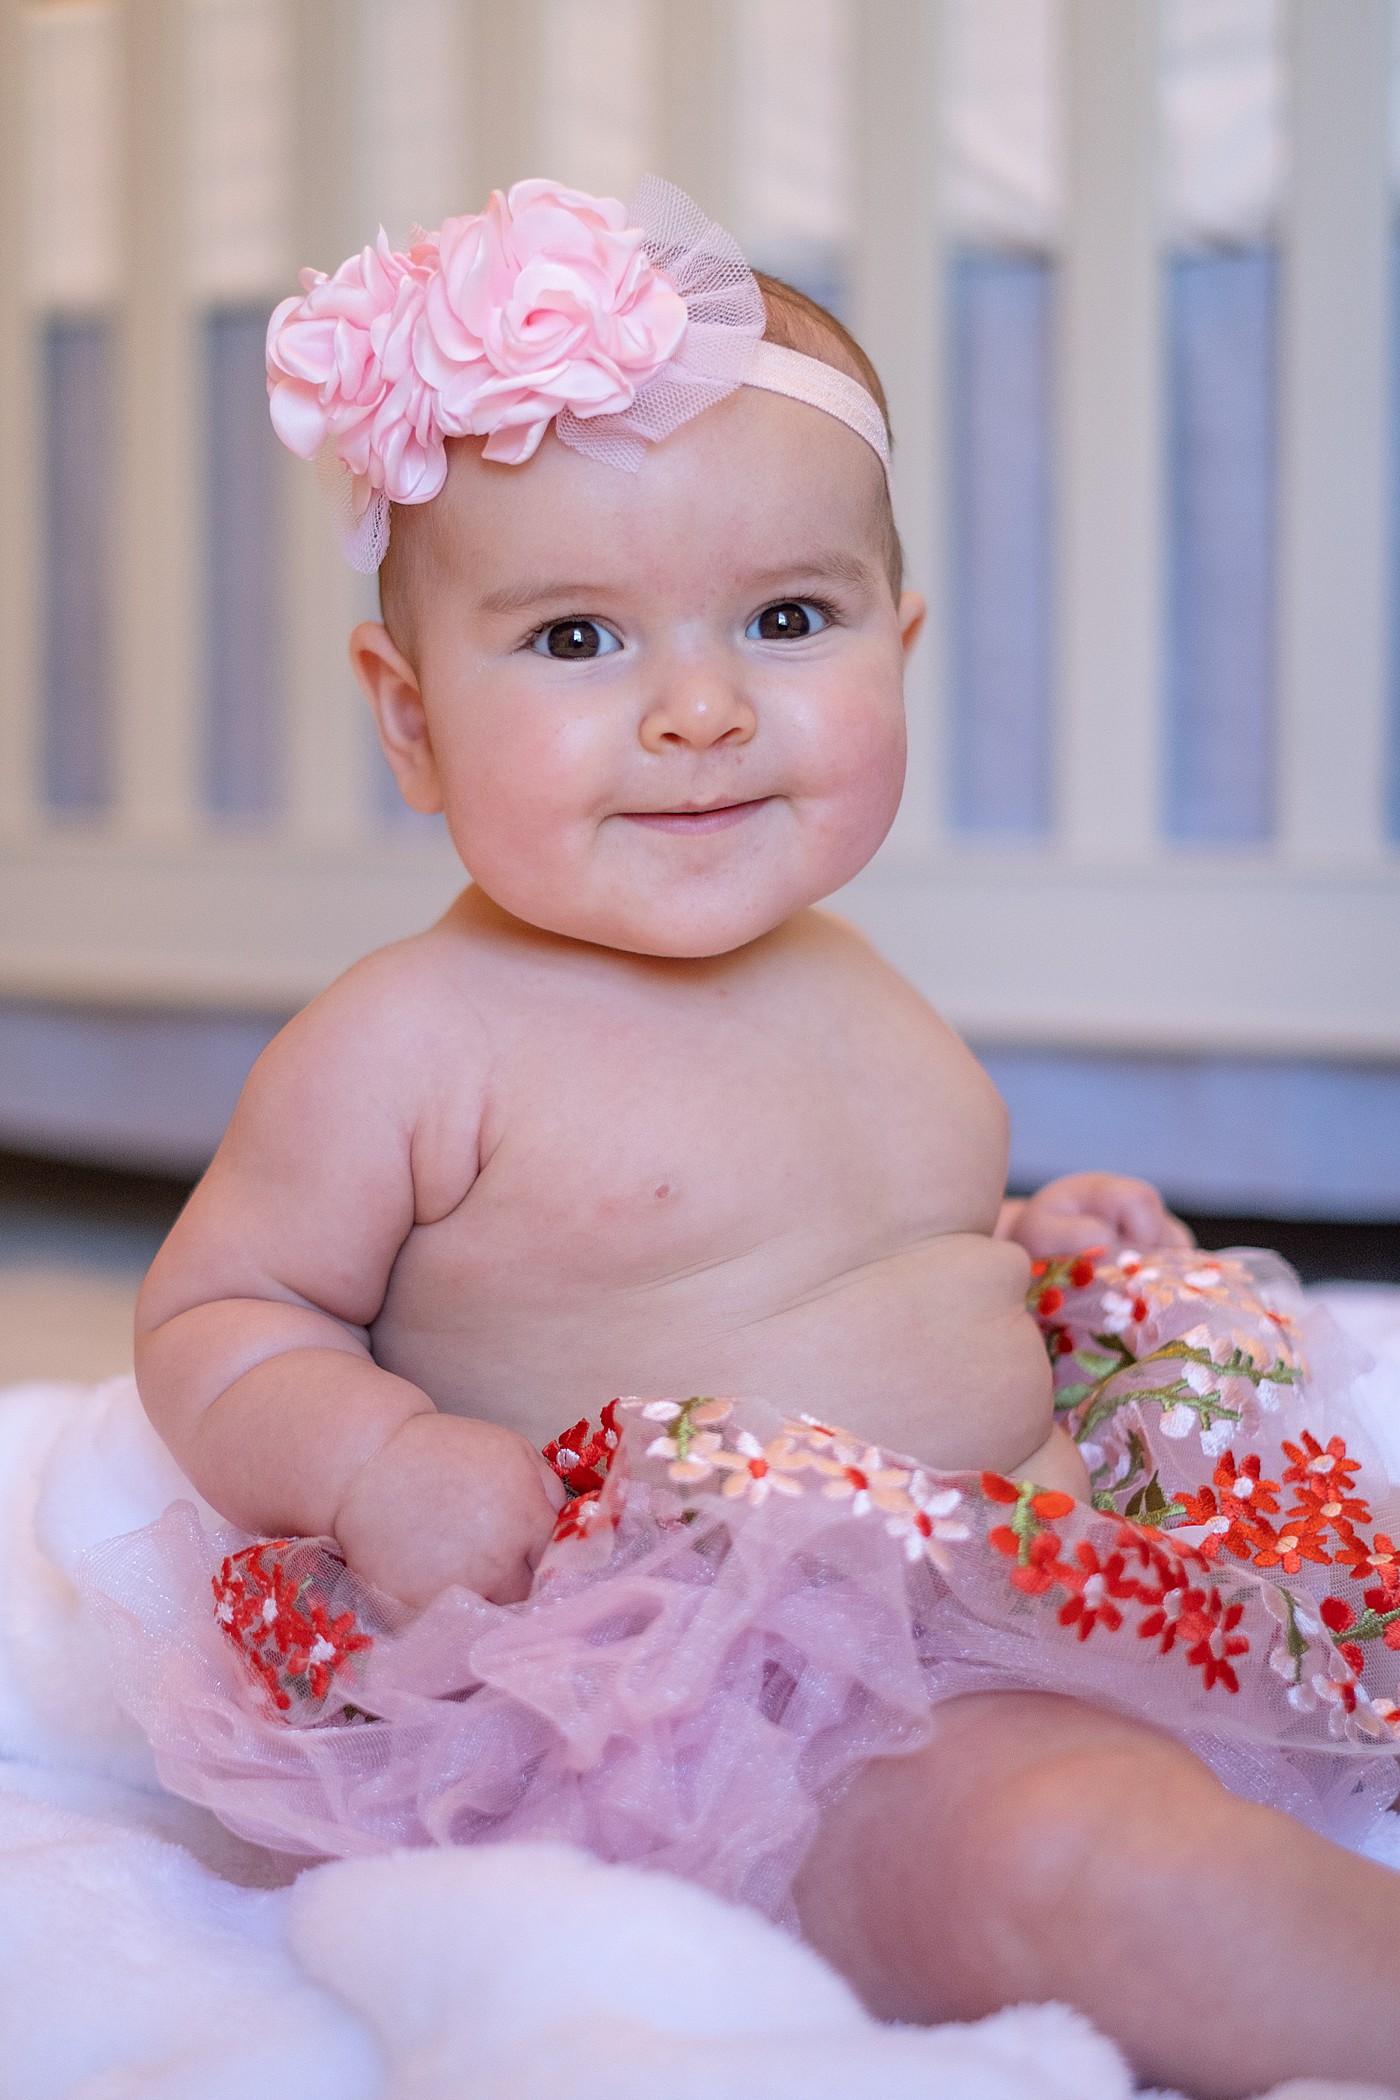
664 710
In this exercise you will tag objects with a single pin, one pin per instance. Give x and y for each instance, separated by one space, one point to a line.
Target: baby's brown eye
787 622
575 641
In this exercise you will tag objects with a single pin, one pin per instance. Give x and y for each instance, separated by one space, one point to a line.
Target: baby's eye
787 622
575 641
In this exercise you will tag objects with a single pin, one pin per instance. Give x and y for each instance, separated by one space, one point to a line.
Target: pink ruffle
751 1608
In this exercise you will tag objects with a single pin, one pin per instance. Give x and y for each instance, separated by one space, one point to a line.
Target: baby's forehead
755 483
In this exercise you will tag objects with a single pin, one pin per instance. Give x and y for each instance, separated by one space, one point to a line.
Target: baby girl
636 1117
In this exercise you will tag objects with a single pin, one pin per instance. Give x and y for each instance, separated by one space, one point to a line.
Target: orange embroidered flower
1382 1558
1323 1499
1311 1461
1289 1546
1242 1486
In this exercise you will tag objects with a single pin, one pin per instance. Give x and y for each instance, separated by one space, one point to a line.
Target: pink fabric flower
544 301
340 366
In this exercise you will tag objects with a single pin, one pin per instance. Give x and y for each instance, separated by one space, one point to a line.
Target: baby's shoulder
389 1030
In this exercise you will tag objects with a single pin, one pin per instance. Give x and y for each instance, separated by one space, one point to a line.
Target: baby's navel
662 1190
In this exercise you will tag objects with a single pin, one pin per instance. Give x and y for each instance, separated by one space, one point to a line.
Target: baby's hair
795 321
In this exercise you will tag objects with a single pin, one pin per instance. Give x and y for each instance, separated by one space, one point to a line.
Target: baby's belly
926 1350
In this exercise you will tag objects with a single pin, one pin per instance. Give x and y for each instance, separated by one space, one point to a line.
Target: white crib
237 138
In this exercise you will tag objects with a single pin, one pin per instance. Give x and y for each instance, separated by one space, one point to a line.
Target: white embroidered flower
926 1526
1205 1278
1178 1421
1117 1312
1200 1377
1216 1439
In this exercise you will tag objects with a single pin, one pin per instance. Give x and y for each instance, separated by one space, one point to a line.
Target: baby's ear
391 686
912 614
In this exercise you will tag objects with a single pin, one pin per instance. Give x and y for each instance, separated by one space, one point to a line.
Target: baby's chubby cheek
592 874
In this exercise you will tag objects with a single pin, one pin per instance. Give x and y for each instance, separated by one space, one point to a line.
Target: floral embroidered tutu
739 1609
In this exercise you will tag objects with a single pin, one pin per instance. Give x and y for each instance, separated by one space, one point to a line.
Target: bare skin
636 1117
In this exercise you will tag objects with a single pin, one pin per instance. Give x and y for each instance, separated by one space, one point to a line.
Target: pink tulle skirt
740 1609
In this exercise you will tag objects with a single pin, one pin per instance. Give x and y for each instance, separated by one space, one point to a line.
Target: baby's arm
1080 1211
253 1354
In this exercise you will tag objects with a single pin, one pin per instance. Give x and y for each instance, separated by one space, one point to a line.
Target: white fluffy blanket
145 1954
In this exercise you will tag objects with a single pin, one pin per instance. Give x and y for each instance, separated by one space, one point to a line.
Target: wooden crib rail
1104 931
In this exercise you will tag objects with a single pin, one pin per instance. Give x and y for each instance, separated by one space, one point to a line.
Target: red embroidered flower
581 1456
998 1490
1212 1631
1049 1302
581 1515
282 1627
1096 1583
1082 1272
1042 1569
1231 1529
1175 1612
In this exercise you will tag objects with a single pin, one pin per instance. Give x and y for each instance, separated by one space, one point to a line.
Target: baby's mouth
692 822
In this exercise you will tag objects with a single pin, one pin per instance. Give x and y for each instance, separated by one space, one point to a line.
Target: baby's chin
685 931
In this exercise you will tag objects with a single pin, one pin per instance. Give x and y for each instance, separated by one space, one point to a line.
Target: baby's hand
1091 1210
449 1499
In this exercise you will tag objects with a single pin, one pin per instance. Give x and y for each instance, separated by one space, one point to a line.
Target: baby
636 1117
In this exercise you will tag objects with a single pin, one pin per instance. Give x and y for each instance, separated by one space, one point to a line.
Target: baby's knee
1067 1833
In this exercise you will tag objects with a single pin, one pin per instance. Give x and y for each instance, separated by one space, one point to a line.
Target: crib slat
1336 434
156 511
897 302
1108 442
695 53
327 741
507 54
18 452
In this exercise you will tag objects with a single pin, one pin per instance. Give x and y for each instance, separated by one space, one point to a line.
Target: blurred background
1131 271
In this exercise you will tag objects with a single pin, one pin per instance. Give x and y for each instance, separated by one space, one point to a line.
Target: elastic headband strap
779 370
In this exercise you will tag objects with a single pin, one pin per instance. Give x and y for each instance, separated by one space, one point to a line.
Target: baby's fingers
1141 1219
1047 1235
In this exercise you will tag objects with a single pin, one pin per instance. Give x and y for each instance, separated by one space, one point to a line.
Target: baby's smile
692 822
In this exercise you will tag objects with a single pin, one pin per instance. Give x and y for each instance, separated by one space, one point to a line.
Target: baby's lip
692 818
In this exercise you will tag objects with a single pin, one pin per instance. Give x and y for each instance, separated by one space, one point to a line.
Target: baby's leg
1039 1848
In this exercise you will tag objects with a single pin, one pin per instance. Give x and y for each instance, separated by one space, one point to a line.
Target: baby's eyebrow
830 565
519 597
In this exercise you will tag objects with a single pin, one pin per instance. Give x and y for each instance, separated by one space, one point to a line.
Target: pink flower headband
617 325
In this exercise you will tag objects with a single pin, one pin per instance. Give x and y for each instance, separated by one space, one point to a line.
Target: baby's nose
698 707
